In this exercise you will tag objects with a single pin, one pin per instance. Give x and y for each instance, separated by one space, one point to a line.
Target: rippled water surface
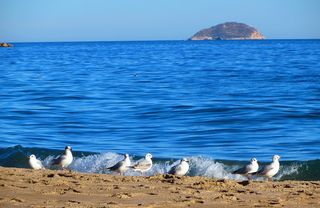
222 99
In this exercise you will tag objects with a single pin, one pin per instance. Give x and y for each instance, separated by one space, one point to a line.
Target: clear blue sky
74 20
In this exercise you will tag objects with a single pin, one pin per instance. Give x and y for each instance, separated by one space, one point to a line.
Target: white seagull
64 160
181 169
122 166
249 169
270 170
35 163
143 165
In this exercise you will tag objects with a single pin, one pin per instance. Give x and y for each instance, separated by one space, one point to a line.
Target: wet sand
47 188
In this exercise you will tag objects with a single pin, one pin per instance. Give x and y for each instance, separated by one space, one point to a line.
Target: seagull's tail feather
235 172
256 173
171 171
239 171
112 168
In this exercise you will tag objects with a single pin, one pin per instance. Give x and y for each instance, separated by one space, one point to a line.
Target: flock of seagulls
145 164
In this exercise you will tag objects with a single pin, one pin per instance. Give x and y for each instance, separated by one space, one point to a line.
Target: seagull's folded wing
116 166
242 170
40 163
173 170
265 169
142 165
58 160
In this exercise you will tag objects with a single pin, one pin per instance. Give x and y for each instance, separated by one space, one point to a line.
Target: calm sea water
223 100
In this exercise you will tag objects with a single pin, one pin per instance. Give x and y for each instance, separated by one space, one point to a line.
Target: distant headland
228 31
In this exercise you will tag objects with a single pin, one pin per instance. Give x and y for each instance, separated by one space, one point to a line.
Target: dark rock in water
6 45
228 31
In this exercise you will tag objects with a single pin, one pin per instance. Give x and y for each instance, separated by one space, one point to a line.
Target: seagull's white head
148 156
126 155
254 160
68 147
276 158
184 160
32 157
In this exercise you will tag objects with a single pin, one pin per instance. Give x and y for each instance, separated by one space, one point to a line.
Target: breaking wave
89 162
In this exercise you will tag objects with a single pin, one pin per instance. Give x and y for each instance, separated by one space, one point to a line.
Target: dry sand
47 188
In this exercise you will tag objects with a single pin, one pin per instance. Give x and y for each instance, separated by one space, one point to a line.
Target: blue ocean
218 103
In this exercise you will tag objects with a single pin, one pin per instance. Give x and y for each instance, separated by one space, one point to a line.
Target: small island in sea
228 31
6 45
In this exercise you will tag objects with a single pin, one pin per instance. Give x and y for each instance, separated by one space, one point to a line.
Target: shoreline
50 188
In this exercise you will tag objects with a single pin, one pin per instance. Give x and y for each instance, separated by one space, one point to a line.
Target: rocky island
5 45
228 31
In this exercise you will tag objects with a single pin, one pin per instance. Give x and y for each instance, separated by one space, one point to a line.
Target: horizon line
155 40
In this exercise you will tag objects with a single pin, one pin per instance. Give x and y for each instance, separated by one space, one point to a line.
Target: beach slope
47 188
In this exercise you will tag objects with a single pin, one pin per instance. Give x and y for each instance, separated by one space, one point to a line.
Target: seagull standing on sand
270 170
64 160
121 166
181 169
35 163
249 169
143 165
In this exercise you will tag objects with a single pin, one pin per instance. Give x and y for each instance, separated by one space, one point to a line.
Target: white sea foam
287 170
201 166
96 163
46 162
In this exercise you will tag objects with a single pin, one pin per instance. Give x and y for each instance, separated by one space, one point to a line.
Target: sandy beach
47 188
